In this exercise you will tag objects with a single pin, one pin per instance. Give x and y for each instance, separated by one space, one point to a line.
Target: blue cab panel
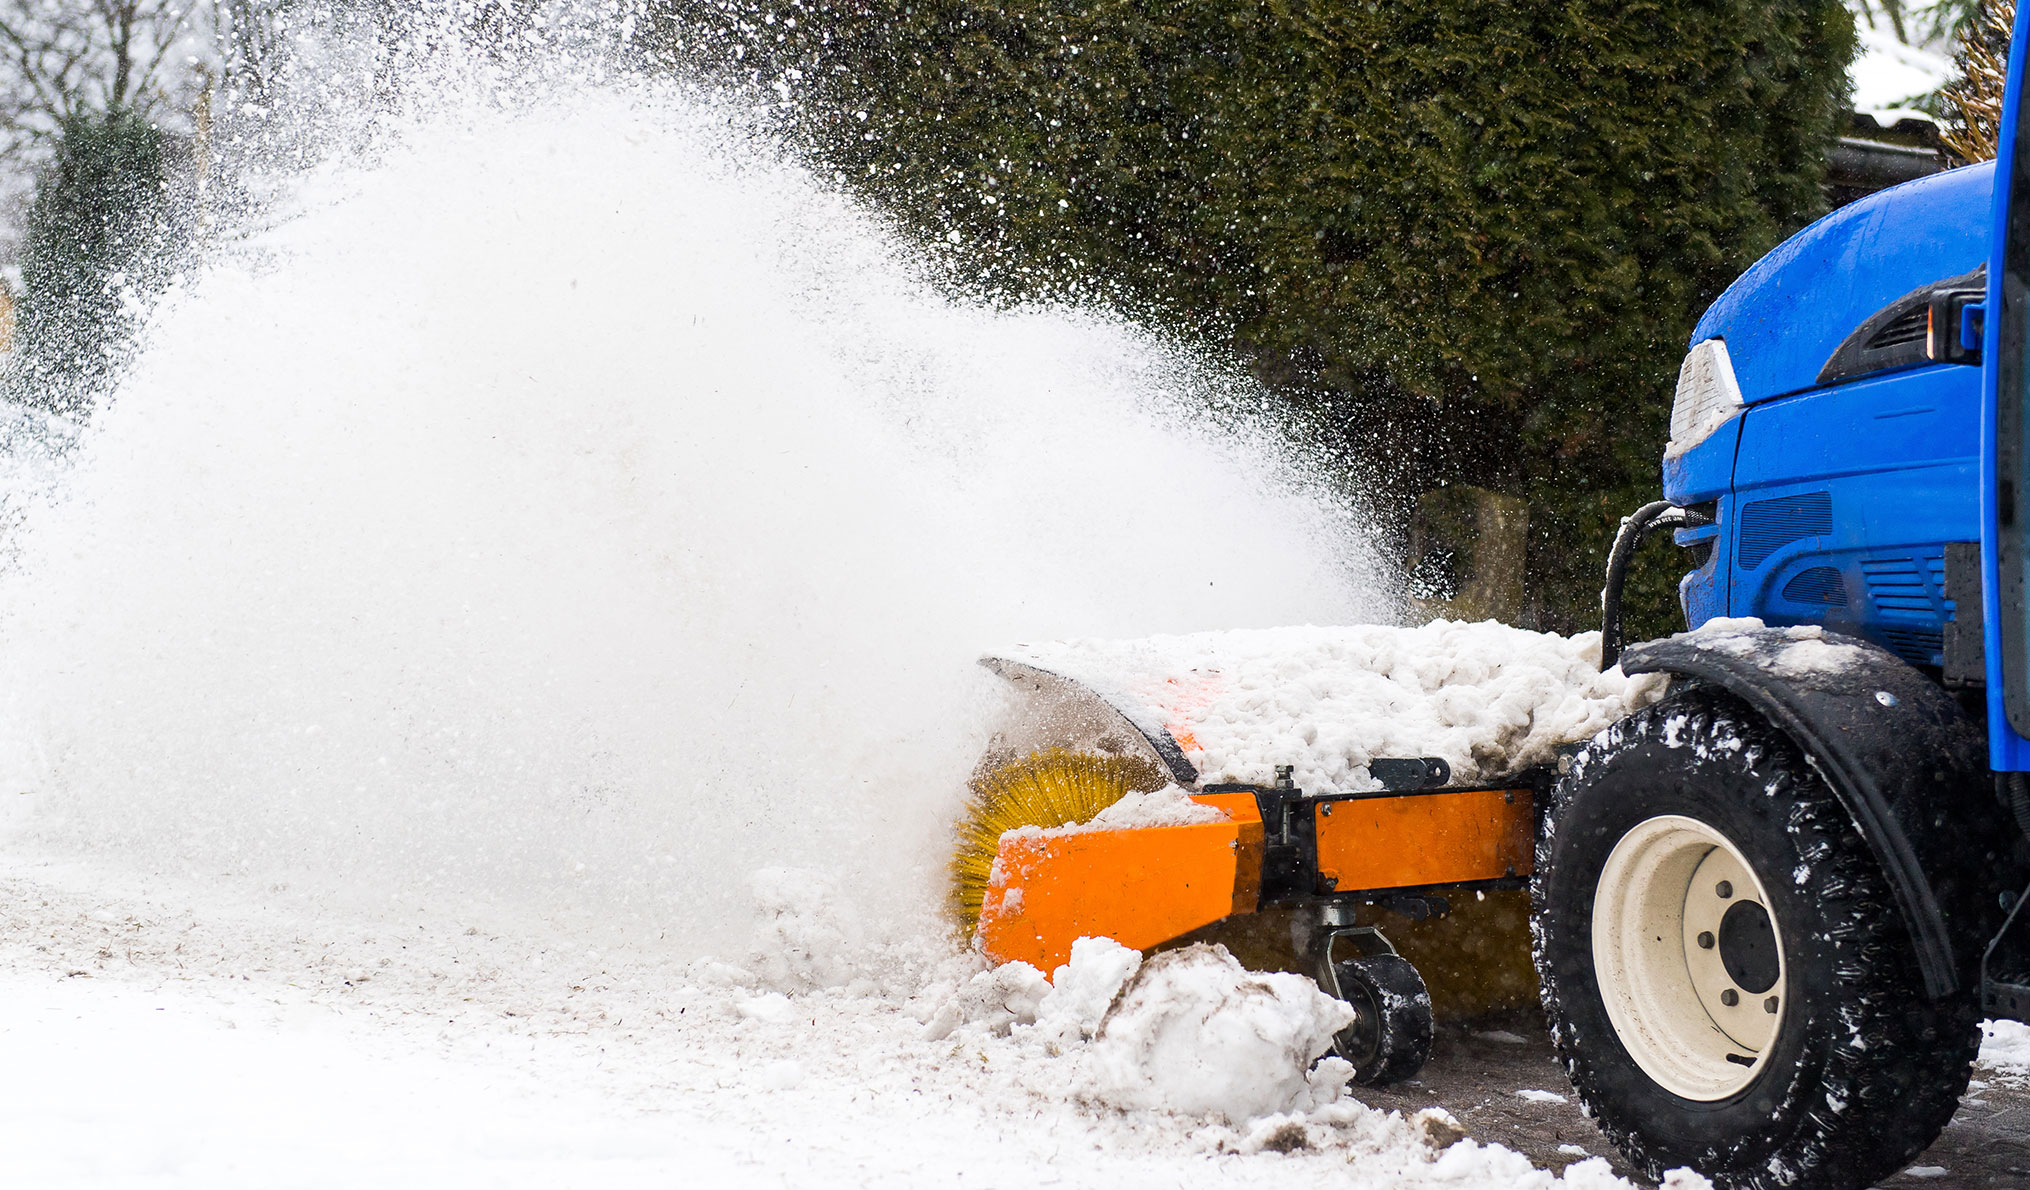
1784 317
1843 501
2003 544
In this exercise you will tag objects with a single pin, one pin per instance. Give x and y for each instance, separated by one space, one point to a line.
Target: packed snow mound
1189 1032
1084 989
1488 698
1197 1034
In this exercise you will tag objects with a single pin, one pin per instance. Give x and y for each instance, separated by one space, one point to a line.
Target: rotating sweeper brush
1289 793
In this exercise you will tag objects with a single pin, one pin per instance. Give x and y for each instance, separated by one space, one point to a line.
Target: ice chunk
2005 1048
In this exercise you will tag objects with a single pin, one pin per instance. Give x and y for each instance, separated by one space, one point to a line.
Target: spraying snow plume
574 508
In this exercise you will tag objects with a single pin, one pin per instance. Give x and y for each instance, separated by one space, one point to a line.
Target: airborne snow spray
567 508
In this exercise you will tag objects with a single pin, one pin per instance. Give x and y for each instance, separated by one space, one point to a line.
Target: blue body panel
1844 499
1833 503
2007 750
1783 318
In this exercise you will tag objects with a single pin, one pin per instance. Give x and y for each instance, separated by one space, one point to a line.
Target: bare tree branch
60 59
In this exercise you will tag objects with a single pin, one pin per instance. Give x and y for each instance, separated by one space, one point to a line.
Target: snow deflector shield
1061 711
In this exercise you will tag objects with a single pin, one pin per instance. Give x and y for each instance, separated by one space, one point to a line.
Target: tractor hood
1784 317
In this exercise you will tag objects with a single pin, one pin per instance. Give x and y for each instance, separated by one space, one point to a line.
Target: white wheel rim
1660 917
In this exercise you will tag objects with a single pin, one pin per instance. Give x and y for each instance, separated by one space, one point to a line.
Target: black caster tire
1390 1037
1727 977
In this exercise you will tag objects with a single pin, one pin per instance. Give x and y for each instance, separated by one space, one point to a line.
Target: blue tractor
1772 910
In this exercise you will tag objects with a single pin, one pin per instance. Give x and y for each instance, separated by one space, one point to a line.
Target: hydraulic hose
1657 514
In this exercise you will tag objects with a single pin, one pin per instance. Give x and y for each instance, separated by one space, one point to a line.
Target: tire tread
1886 1091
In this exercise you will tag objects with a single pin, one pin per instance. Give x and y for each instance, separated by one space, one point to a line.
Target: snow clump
1197 1034
1189 1032
994 1001
804 936
1084 989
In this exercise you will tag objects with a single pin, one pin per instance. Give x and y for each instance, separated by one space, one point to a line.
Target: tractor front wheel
1727 978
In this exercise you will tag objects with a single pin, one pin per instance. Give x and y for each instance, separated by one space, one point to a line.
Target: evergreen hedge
100 224
1474 237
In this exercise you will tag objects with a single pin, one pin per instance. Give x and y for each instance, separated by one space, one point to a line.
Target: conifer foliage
1473 237
100 225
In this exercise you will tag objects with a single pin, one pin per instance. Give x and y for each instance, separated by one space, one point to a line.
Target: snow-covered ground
173 1036
179 1037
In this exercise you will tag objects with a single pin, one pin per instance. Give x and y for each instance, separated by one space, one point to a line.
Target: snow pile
1486 697
1190 1032
1197 1034
1169 806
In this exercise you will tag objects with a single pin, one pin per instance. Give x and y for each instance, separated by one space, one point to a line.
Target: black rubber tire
1390 1038
1864 1071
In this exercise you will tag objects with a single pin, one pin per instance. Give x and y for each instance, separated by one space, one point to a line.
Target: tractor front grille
1907 327
1899 588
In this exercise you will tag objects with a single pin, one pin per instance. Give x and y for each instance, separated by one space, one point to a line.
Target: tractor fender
1907 764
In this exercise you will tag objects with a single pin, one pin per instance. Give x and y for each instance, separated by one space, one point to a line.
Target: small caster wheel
1390 1037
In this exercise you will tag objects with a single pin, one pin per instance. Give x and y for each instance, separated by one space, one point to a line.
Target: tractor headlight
1707 396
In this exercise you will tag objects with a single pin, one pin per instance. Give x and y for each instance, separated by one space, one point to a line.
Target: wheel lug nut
1725 889
1730 997
1769 1006
1705 939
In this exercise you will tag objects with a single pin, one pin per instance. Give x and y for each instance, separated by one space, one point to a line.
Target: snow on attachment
1486 697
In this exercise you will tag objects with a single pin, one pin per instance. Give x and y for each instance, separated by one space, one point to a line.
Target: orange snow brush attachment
1051 788
1141 886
